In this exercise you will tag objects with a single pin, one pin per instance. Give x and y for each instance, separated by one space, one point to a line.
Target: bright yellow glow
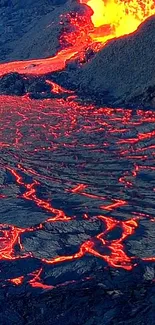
122 17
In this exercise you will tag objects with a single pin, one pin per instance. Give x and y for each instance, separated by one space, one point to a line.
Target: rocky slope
31 29
123 72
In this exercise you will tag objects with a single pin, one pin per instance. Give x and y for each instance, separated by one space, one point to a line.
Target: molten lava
78 142
115 18
108 19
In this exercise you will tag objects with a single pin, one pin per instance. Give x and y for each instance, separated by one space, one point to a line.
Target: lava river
77 182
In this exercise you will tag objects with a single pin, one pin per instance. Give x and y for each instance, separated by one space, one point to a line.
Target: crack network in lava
89 152
83 124
117 257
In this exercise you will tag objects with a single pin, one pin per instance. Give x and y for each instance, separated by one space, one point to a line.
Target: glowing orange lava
30 194
110 19
17 281
114 18
62 122
10 236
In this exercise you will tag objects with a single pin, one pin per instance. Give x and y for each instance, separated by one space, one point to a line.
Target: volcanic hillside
31 29
123 72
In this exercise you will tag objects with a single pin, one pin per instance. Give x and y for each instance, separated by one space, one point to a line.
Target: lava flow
77 182
115 18
74 190
107 19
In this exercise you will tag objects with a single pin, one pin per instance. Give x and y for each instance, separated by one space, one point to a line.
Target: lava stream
108 19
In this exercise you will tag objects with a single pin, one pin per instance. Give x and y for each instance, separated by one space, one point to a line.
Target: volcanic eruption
77 179
117 17
92 27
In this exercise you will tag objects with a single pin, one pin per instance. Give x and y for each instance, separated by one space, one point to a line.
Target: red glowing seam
117 204
9 238
79 190
57 89
30 194
117 249
17 281
36 281
117 257
141 136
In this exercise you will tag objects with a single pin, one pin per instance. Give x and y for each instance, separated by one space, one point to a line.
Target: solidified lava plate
77 188
77 182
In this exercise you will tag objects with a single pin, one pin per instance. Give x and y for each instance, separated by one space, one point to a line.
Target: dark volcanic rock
12 84
138 244
99 301
124 69
63 238
31 29
15 84
38 86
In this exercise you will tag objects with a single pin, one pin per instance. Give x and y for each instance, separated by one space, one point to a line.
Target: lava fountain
115 18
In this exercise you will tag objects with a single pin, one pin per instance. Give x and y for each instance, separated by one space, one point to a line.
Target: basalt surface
115 299
77 187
